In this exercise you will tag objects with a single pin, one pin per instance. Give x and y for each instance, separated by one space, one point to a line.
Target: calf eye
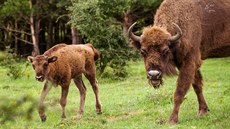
45 66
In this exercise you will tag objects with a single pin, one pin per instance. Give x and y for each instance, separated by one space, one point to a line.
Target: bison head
40 64
156 46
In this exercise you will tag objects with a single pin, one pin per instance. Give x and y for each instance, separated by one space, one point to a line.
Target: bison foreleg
197 86
184 81
46 88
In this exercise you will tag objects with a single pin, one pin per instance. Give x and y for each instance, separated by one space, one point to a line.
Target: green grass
128 104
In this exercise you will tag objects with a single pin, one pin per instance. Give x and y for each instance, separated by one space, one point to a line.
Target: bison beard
169 70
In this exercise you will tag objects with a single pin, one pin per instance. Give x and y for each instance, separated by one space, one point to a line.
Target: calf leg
91 76
46 88
64 94
82 89
93 82
197 86
183 83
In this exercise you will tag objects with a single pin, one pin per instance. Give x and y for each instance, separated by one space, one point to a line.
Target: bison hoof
98 110
99 113
43 118
203 112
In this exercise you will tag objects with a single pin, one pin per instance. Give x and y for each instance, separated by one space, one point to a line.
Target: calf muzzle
40 78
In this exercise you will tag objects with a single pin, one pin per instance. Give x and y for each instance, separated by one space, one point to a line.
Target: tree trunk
127 21
2 45
56 33
75 36
15 37
7 36
50 35
34 26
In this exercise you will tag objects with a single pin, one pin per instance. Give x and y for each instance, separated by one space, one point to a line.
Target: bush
100 28
10 60
23 106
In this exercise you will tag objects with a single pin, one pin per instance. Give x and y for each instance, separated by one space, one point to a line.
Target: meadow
130 103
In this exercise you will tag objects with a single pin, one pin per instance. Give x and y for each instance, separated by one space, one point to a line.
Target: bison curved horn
131 35
178 34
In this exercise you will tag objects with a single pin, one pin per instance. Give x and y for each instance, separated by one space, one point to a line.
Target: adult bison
184 33
60 64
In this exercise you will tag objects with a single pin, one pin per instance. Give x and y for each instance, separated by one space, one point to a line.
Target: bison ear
135 44
52 59
30 59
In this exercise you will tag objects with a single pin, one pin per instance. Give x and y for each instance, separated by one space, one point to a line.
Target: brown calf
60 64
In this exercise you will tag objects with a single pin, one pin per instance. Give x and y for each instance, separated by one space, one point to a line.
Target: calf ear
135 44
52 59
30 59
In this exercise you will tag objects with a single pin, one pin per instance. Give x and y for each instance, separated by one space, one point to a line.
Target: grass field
128 104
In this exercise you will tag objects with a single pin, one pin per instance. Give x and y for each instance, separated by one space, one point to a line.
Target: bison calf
60 64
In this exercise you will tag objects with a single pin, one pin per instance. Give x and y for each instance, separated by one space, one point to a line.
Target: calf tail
96 53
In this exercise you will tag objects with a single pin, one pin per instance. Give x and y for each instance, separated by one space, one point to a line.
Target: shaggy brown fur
205 26
60 64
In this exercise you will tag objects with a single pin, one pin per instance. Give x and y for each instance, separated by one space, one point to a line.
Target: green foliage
102 22
94 21
15 8
9 61
10 108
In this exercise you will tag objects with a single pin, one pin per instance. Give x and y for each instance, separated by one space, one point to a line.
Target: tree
37 25
12 13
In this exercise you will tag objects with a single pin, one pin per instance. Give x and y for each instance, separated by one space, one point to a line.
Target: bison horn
131 35
178 34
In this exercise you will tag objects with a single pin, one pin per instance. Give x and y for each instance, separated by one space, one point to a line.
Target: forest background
33 26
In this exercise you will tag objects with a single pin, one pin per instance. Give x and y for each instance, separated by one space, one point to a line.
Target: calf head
40 64
155 45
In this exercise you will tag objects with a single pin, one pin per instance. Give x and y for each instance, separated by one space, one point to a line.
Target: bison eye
45 66
33 66
165 52
143 52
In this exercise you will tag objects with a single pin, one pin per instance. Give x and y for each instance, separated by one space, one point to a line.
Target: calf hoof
79 116
63 116
172 122
43 118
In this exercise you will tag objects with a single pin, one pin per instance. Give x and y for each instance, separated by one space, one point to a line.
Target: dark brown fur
60 64
205 26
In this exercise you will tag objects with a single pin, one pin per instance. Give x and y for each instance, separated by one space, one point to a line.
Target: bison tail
96 52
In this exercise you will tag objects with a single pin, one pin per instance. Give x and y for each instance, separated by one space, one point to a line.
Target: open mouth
155 82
